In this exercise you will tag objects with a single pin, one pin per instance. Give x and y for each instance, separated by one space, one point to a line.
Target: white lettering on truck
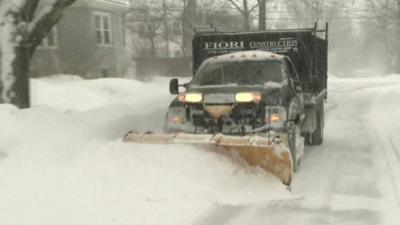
224 45
280 43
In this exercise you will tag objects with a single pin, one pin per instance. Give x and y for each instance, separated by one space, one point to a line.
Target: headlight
176 115
276 116
248 97
191 97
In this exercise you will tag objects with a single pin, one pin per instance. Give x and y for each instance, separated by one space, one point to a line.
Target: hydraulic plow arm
272 156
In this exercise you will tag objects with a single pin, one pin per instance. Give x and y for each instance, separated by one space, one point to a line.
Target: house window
51 40
102 23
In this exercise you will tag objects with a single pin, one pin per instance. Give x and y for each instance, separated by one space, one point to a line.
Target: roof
106 4
245 56
124 3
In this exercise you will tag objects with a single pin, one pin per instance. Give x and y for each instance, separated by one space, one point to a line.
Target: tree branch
237 6
28 10
170 39
41 27
253 8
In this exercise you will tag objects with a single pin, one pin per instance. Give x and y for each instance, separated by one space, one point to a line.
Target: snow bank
372 101
65 92
383 116
62 161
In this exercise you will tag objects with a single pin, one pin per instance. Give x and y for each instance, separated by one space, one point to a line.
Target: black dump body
305 48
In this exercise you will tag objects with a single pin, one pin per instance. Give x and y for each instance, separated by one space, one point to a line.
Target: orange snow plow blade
272 156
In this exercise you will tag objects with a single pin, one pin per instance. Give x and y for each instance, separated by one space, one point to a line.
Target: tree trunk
21 71
262 17
166 28
246 15
18 92
152 45
15 62
189 18
397 51
19 43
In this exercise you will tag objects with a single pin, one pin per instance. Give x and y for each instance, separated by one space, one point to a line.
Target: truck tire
293 133
317 137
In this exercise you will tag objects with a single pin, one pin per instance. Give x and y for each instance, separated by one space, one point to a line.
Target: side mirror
174 86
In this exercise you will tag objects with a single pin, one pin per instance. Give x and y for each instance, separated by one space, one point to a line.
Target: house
89 41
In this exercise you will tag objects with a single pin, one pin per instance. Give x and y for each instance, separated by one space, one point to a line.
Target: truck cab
238 94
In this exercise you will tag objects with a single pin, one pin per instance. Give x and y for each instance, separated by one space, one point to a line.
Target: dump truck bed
305 47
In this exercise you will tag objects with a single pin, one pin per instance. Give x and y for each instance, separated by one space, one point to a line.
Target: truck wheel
317 137
293 135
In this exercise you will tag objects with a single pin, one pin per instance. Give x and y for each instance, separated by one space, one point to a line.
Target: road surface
351 179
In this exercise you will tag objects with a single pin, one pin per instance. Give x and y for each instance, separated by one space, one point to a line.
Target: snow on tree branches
23 25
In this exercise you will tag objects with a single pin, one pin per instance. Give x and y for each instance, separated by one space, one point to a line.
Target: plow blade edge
272 156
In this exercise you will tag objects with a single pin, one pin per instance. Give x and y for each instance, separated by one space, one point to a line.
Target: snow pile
65 92
383 116
62 161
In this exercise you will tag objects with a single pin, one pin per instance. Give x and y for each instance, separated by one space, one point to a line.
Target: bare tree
262 14
23 26
145 20
385 30
245 10
189 16
166 27
308 12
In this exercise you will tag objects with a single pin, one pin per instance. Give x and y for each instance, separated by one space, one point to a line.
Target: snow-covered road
62 162
351 179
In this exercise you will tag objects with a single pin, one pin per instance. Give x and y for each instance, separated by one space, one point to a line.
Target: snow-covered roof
109 4
255 55
124 3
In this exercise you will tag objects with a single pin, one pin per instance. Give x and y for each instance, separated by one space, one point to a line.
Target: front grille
246 114
220 98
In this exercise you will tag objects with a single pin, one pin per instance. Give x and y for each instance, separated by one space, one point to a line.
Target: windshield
239 73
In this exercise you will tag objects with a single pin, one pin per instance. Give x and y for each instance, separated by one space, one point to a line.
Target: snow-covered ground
62 162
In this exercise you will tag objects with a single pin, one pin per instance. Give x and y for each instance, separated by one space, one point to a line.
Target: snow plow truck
259 94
